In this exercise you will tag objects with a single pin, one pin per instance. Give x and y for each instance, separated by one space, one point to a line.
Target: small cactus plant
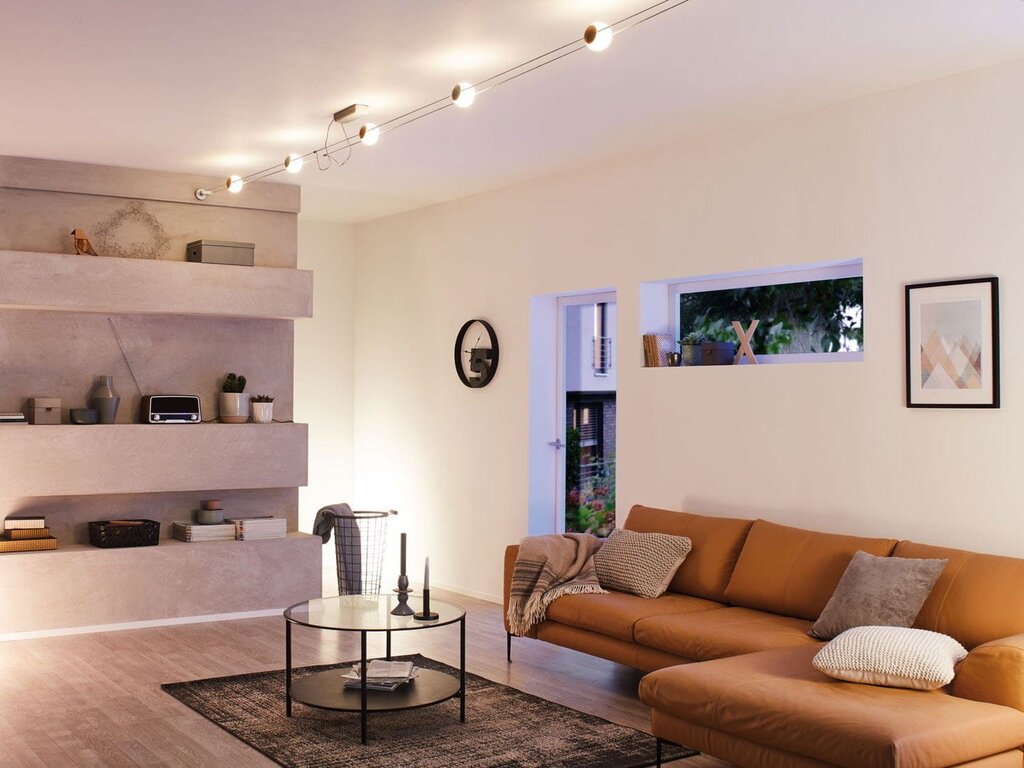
235 384
693 340
262 398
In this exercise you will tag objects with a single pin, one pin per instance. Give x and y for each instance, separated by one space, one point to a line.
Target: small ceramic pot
263 413
209 516
690 354
234 407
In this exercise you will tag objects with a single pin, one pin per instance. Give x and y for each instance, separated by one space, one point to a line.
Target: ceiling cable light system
369 134
596 37
463 95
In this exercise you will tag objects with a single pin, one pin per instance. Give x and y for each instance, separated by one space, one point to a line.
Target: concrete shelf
71 460
80 585
67 283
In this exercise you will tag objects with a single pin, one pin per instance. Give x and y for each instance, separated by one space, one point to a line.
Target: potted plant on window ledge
690 347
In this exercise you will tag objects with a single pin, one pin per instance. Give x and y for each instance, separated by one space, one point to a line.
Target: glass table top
370 613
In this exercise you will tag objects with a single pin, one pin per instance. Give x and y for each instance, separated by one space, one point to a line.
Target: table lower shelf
326 690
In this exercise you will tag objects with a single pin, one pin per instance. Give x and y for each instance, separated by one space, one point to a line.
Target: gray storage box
44 410
221 252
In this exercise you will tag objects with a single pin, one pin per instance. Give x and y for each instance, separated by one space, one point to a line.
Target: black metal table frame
363 711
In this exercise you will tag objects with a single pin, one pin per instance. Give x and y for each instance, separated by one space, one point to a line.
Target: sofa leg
509 650
657 753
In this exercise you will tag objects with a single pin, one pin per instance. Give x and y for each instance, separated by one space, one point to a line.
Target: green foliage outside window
816 316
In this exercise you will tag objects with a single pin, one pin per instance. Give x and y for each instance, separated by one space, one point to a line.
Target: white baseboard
468 592
65 631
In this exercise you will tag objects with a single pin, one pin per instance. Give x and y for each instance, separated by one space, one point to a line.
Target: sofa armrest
511 552
993 672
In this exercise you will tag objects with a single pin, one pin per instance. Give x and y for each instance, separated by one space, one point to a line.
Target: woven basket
103 533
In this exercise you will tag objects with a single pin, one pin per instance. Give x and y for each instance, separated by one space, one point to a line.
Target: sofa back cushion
794 572
716 546
977 599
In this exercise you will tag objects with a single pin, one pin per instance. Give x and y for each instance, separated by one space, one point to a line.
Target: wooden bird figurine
82 244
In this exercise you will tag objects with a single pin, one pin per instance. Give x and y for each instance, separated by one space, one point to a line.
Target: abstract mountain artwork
951 345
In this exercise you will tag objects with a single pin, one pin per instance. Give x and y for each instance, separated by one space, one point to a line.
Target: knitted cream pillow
640 563
897 657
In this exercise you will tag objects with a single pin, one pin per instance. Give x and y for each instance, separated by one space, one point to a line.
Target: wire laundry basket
359 542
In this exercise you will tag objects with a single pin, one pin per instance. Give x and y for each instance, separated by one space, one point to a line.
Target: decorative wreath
107 234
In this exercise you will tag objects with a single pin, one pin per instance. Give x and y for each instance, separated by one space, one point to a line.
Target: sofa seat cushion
728 632
777 699
616 613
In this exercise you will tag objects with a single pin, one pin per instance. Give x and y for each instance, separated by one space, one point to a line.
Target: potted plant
690 348
234 403
262 409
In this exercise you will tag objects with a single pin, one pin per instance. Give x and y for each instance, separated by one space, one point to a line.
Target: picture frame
952 343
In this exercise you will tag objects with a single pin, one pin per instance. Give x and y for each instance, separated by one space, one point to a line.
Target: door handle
557 444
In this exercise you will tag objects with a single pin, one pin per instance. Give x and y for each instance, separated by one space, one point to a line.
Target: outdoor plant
234 384
261 398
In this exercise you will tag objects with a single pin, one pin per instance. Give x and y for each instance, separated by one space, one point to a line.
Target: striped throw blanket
546 568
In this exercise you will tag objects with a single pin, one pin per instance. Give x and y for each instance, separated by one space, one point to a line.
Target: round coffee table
365 614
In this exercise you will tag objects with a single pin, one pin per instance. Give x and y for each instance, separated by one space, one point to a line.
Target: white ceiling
232 86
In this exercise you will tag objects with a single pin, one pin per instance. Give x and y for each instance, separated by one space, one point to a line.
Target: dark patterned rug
504 728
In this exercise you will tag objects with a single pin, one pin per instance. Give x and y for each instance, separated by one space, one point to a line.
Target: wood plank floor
95 700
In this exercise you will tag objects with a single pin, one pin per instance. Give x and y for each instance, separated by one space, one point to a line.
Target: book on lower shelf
27 545
382 675
28 533
253 528
22 522
193 532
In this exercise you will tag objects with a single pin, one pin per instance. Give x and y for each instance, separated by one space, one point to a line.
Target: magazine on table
382 675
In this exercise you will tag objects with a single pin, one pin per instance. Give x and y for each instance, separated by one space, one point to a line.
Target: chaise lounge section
730 657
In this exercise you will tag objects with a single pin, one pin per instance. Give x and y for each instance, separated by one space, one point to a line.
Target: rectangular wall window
808 314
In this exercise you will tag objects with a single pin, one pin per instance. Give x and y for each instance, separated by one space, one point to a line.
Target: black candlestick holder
403 608
426 614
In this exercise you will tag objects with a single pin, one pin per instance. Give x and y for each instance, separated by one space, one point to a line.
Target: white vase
263 413
234 407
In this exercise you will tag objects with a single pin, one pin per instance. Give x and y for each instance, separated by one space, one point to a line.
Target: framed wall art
953 344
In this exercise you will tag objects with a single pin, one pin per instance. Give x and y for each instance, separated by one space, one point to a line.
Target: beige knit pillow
640 563
896 657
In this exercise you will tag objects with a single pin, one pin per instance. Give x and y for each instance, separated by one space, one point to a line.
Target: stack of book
382 675
193 532
252 528
26 533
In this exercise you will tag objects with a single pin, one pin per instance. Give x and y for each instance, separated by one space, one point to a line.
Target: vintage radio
171 409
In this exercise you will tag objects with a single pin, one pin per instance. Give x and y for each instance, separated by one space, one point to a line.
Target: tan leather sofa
730 658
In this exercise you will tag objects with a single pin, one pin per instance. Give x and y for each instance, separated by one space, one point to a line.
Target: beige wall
923 183
323 369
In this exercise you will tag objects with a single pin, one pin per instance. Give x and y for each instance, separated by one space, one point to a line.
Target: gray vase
105 400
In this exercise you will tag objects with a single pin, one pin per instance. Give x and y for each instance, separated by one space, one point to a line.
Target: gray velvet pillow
878 592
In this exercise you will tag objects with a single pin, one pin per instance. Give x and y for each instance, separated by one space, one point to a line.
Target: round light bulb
235 183
293 163
369 134
463 95
598 36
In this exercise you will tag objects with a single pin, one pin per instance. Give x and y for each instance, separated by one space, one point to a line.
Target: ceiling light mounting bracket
350 113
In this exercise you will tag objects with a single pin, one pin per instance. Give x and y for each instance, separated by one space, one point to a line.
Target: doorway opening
586 416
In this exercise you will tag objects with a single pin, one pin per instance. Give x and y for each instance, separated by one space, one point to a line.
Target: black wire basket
359 542
110 534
